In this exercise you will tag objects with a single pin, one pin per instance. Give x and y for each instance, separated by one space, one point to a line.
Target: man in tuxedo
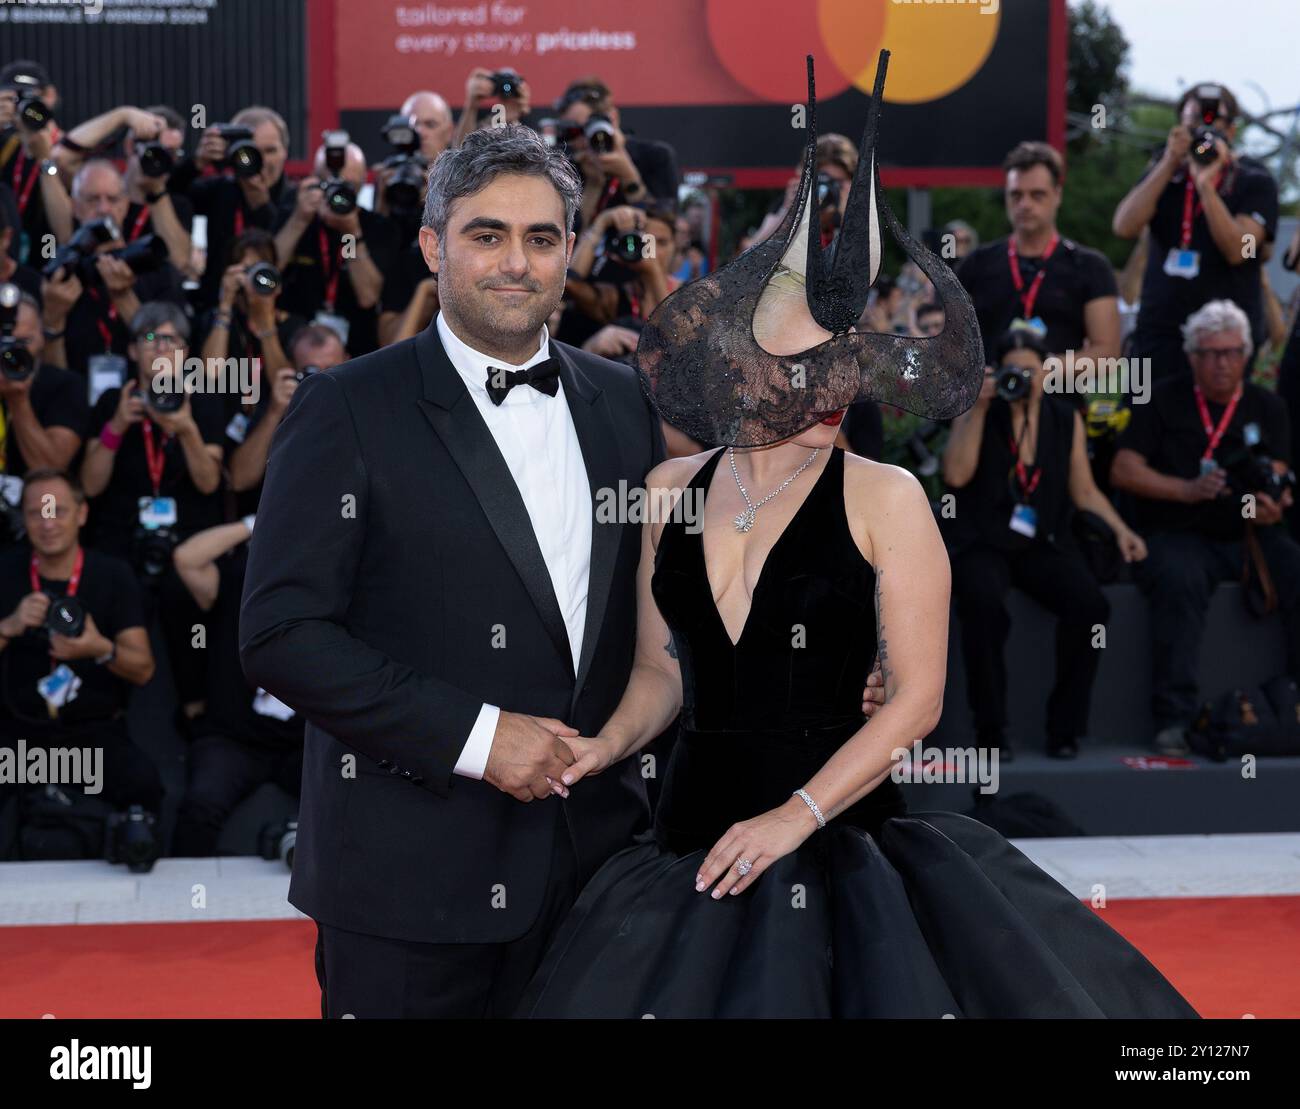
430 588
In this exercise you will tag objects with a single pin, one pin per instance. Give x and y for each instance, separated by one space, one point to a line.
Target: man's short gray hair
95 165
484 155
153 314
1212 317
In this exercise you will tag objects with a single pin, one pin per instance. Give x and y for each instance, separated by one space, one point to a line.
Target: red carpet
1227 955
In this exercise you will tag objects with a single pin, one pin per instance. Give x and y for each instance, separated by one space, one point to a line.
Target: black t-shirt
109 592
1075 275
94 326
306 283
115 513
219 197
409 269
1169 434
58 399
139 218
22 174
985 503
231 699
1248 189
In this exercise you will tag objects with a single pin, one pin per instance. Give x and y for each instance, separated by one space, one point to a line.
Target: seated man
1207 461
71 691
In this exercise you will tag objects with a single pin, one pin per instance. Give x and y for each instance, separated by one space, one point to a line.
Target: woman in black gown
782 875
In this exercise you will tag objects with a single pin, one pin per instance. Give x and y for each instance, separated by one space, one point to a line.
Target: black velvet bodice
761 716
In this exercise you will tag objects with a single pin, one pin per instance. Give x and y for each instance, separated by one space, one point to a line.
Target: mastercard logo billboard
936 47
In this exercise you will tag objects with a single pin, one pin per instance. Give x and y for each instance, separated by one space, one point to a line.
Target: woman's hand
1131 545
590 756
873 696
761 841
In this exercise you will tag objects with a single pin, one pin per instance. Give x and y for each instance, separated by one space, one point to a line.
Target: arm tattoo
882 648
671 647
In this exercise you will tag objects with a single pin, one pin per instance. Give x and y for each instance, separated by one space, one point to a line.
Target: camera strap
1215 433
23 192
155 457
1013 260
331 267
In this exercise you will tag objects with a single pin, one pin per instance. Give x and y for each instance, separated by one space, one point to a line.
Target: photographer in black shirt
1211 214
1018 461
246 736
1207 461
71 690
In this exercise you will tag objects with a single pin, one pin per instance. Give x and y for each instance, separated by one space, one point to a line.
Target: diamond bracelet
821 820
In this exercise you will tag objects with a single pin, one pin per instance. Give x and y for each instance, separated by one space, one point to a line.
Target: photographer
1208 463
11 270
43 408
1019 464
1211 214
837 162
236 180
486 89
314 348
61 690
28 135
430 115
246 736
617 168
1065 290
97 282
153 140
334 253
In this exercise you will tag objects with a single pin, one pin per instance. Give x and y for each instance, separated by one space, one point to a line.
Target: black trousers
221 771
372 976
1059 580
1178 576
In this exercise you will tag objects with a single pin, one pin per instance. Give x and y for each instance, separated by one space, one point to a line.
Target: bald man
333 265
430 115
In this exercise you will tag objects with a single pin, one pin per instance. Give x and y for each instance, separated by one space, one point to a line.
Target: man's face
503 260
102 193
27 330
930 324
1192 116
53 517
432 122
163 342
266 137
1032 199
1219 361
323 356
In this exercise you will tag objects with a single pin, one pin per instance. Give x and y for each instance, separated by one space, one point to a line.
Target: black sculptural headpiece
702 364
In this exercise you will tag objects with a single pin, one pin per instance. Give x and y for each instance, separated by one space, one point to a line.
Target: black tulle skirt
931 915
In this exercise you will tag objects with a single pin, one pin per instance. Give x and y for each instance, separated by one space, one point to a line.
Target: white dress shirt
537 439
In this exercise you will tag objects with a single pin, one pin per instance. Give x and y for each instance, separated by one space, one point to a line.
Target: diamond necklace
745 520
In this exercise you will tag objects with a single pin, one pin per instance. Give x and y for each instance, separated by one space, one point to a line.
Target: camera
505 84
65 616
151 551
558 132
406 182
828 191
32 112
132 838
15 359
241 154
264 278
599 130
340 196
1203 151
156 160
165 397
277 841
77 255
1250 467
1013 382
628 246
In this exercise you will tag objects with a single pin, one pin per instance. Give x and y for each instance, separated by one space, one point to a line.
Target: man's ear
429 248
568 247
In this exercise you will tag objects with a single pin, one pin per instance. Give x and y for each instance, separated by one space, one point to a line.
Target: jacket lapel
452 412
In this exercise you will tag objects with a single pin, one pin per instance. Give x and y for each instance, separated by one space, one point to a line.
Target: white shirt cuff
474 756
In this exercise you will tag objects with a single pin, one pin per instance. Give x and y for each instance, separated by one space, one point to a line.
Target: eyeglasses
1221 354
159 340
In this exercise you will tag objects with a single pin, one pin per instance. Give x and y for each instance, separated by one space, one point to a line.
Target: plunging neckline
758 582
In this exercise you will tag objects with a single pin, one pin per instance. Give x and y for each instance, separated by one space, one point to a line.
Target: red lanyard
105 333
239 219
1190 210
73 581
23 192
1027 299
1027 485
635 302
327 263
1215 433
138 226
155 459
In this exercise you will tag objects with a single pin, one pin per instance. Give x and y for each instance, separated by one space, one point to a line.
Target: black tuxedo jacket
392 551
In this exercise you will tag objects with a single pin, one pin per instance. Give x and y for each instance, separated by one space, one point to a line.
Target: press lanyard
73 582
23 192
1192 210
239 219
329 263
104 331
138 226
1215 433
155 459
1027 485
1027 298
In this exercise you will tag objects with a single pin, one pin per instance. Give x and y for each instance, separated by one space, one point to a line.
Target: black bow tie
544 377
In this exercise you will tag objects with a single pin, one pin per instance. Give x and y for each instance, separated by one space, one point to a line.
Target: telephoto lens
263 278
156 160
65 616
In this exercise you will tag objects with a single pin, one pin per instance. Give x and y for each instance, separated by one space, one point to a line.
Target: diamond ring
743 867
